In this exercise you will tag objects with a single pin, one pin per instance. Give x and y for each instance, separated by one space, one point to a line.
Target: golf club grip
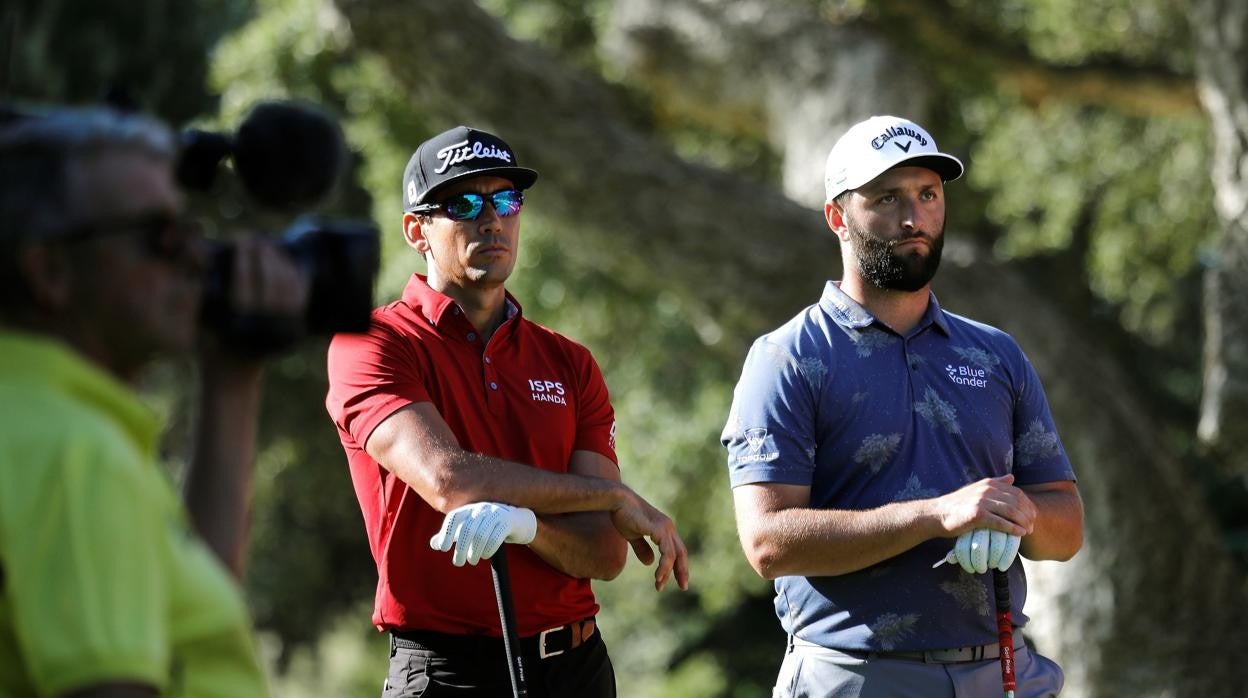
507 618
1005 630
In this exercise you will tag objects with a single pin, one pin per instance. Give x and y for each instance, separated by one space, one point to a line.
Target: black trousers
462 666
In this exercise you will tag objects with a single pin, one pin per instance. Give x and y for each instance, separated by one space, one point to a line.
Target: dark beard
893 271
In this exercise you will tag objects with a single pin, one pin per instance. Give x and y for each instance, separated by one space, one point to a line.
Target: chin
489 275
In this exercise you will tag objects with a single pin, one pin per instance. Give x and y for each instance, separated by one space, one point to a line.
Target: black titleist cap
460 153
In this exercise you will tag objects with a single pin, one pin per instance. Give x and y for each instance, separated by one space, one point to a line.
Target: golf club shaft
507 617
1005 630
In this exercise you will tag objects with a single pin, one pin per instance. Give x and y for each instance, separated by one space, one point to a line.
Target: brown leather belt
551 642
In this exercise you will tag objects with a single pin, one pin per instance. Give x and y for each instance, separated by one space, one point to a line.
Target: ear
46 272
414 232
835 215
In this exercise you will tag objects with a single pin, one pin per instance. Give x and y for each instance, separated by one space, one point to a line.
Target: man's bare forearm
583 545
472 477
1058 533
829 542
218 482
416 445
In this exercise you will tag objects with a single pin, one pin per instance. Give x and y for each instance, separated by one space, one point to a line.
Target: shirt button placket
492 396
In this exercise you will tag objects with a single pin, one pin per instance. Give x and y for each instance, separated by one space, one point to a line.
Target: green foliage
1137 189
74 52
1072 32
568 28
347 659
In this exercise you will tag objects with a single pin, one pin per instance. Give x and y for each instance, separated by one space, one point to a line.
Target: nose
909 215
489 220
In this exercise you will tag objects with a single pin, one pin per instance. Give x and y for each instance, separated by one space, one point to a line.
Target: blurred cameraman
105 590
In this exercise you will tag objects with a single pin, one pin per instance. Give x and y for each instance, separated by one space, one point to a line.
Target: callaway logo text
894 132
967 375
547 391
461 151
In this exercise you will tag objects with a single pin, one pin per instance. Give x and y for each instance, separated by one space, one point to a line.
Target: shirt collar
846 311
44 362
435 306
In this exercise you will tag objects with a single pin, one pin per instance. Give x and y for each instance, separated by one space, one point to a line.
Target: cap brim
947 166
522 177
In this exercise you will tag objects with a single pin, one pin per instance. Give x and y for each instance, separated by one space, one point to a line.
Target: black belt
548 643
956 655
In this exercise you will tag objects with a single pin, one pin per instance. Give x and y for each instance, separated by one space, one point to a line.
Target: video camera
287 157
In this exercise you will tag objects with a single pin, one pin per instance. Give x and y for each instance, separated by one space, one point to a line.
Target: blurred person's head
462 195
94 248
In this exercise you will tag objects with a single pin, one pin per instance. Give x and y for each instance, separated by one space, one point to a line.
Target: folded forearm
583 545
462 478
829 542
1058 533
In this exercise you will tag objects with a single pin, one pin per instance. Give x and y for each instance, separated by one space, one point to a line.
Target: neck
85 343
485 308
900 310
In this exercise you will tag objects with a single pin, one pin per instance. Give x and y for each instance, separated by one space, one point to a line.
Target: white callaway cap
870 147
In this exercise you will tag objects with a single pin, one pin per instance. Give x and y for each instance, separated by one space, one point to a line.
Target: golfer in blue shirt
876 432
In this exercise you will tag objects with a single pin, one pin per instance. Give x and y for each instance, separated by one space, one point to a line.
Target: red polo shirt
531 396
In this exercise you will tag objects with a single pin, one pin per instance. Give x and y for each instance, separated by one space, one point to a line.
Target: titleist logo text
461 152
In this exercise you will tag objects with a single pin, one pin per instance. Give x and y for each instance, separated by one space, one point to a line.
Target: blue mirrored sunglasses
468 205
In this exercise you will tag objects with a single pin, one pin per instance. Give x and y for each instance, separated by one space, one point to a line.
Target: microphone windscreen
288 155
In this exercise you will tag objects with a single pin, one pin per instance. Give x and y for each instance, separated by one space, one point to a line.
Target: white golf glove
983 549
478 530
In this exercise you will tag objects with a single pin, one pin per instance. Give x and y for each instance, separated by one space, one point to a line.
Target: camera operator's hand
266 280
267 294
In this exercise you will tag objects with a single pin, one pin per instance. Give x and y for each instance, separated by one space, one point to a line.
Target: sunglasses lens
507 202
169 238
464 207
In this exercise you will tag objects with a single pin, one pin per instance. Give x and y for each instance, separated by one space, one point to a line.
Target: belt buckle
541 643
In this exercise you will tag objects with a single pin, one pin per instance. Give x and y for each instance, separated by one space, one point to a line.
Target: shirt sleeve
595 419
1038 452
88 576
770 429
371 376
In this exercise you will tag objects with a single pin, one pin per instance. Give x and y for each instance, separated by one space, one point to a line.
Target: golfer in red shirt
467 426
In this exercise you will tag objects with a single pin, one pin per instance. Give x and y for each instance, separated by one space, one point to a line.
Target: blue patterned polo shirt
837 401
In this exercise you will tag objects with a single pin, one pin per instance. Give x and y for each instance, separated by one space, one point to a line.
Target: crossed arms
584 516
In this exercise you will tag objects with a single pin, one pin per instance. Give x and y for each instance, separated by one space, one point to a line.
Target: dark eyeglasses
469 205
164 235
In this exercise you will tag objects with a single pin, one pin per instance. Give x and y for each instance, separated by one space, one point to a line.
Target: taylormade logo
462 152
895 132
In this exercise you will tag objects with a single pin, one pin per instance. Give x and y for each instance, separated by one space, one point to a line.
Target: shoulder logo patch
760 447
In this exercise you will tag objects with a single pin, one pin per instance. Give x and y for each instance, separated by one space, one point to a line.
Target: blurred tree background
681 144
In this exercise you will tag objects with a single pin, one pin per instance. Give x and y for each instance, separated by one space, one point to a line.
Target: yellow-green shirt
101 577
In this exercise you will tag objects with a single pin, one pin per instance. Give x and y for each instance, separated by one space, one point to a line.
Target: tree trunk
1219 28
1152 606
